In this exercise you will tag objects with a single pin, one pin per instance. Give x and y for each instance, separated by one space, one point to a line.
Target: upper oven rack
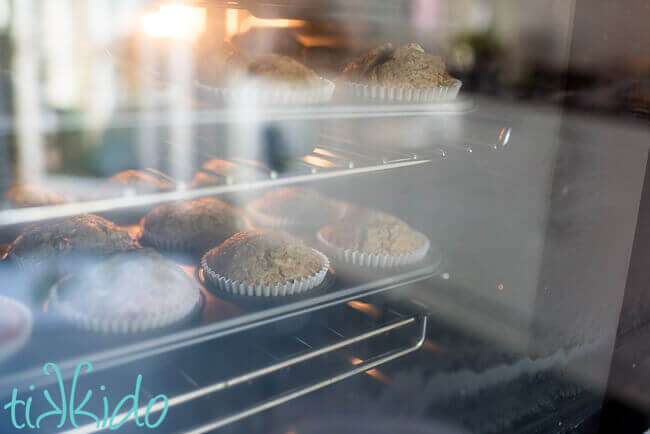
341 157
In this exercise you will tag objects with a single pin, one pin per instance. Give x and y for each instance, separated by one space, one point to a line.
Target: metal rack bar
128 353
286 397
29 215
291 361
124 119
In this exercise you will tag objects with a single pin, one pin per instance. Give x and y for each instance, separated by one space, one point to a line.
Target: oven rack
368 339
28 370
305 173
48 121
334 156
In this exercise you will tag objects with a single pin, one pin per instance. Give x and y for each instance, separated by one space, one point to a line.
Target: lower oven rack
412 327
139 350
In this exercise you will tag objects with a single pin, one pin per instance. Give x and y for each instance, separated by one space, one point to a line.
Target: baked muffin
296 209
127 292
193 226
23 196
264 263
218 172
85 234
363 68
277 69
142 181
372 237
407 66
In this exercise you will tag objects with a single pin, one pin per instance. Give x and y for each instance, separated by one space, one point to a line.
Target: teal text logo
69 408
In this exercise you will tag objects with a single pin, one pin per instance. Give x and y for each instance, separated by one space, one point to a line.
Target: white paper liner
165 244
11 347
261 290
403 94
375 260
116 325
265 93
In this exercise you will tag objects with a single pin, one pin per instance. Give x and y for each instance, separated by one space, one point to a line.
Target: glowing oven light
232 23
241 22
175 21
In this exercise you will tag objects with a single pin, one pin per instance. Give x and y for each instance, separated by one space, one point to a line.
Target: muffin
373 238
142 181
219 172
192 226
264 263
268 78
295 209
404 73
277 69
23 196
83 235
125 293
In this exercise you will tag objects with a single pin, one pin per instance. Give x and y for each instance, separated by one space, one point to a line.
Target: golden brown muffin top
23 196
278 69
129 285
264 257
372 231
142 181
406 66
204 222
82 234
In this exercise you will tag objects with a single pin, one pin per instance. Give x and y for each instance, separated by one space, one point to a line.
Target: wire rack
335 155
226 380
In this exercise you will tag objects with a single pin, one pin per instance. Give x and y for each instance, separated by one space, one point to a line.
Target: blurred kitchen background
95 61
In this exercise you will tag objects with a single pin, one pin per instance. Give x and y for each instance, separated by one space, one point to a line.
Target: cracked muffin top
276 68
82 234
303 205
263 257
201 223
372 231
218 172
142 181
406 66
23 196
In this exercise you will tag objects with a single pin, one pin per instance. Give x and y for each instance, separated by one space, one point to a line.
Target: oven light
175 21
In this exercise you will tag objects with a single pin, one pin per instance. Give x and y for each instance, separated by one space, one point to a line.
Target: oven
523 307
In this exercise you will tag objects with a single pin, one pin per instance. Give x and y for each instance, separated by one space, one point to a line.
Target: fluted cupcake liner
115 324
11 346
160 243
403 94
267 93
375 260
266 290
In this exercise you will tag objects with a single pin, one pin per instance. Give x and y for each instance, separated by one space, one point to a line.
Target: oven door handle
302 391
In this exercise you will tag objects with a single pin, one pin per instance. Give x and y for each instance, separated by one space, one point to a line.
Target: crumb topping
372 231
406 66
